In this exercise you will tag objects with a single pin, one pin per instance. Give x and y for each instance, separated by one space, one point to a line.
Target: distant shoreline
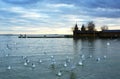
45 36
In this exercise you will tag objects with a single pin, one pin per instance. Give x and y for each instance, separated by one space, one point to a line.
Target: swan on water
9 67
98 59
25 64
65 64
80 63
59 74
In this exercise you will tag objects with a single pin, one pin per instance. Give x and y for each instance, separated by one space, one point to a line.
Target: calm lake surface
59 58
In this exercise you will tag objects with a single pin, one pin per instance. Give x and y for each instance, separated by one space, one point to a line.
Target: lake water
44 58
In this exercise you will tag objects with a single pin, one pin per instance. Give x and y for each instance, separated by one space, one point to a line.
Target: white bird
98 59
24 57
40 61
33 65
9 67
108 43
104 56
65 64
7 55
27 60
80 63
25 64
83 57
90 56
59 73
68 59
52 57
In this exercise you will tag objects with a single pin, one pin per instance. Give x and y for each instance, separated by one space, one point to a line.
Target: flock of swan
53 62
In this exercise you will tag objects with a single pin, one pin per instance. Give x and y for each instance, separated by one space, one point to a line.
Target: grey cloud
21 1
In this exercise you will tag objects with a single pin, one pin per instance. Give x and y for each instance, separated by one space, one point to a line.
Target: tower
75 31
83 28
76 27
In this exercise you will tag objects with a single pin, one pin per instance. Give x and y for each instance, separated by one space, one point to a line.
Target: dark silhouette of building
92 33
83 28
76 27
109 34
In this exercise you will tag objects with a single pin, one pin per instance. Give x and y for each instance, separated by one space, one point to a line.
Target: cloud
25 13
21 1
62 5
104 12
54 15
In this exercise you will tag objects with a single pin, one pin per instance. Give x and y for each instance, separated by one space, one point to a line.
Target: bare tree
91 26
104 27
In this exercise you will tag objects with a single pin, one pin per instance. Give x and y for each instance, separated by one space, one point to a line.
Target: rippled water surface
44 58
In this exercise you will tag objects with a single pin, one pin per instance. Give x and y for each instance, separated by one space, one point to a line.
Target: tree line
90 27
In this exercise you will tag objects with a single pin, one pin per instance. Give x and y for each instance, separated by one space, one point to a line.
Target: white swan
24 57
90 56
68 59
83 57
104 56
25 63
27 60
9 67
108 43
59 73
40 61
52 57
80 63
65 64
98 59
33 65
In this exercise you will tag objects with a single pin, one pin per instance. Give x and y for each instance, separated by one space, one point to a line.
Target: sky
56 16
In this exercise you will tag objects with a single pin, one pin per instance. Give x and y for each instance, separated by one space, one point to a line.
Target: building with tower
90 32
